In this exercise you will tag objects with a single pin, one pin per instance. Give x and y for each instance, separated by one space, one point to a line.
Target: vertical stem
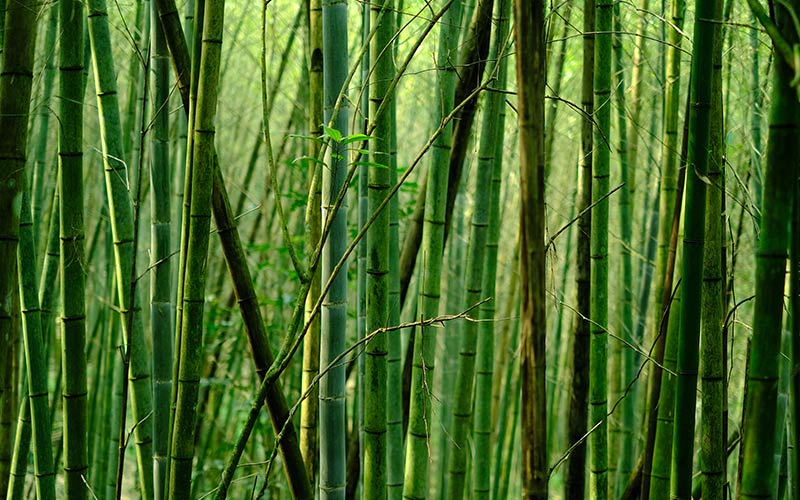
202 171
529 37
598 357
76 463
332 430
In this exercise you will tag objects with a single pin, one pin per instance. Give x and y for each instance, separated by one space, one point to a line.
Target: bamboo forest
400 249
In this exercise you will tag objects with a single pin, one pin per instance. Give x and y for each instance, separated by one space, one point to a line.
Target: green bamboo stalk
238 267
759 475
471 59
72 248
115 375
43 184
97 332
122 228
624 445
179 158
416 459
756 115
22 440
502 425
794 304
782 409
461 383
713 338
36 360
458 449
102 425
635 102
15 90
693 242
444 379
575 482
191 332
491 152
529 38
510 445
557 78
8 397
2 27
598 357
161 308
47 290
334 311
647 269
783 472
661 414
394 384
377 263
361 259
661 467
48 285
668 187
187 80
135 105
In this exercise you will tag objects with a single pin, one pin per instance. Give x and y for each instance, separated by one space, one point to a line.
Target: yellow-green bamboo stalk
122 229
309 413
